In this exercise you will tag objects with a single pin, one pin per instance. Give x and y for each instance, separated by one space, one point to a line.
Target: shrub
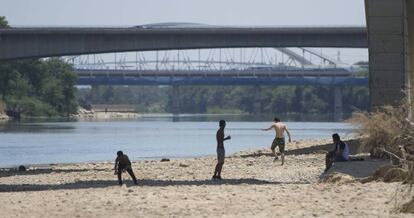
30 106
386 132
390 132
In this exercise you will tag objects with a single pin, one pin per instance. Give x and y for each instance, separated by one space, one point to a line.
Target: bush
30 106
389 132
385 132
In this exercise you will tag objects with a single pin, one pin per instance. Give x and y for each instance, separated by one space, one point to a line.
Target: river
45 142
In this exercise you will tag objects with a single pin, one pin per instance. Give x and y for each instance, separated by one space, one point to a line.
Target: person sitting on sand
122 164
220 149
339 154
279 141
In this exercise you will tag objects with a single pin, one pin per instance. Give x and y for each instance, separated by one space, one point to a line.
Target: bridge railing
334 72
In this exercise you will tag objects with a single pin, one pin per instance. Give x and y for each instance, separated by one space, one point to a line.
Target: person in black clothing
122 164
339 154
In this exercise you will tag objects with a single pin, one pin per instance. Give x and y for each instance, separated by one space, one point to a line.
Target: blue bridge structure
333 77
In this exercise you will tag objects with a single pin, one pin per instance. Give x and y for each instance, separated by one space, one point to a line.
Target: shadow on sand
356 169
9 173
354 147
141 183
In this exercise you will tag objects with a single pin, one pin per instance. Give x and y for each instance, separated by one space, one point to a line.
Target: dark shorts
220 155
279 142
122 167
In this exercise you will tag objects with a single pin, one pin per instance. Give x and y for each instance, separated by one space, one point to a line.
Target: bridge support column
391 43
175 99
337 113
410 54
257 103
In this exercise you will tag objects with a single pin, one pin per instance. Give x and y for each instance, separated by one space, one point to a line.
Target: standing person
339 154
122 164
280 129
220 149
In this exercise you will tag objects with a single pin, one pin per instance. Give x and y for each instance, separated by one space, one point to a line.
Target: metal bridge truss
243 66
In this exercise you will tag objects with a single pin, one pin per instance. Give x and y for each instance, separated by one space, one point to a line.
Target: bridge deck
18 43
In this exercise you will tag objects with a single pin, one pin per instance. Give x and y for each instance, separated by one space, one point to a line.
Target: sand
253 186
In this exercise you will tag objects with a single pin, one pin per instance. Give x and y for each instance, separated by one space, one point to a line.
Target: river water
44 142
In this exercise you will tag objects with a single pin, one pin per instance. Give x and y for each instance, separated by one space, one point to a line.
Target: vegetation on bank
389 133
37 87
228 99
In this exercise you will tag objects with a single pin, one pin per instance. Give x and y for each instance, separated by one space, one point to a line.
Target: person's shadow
144 182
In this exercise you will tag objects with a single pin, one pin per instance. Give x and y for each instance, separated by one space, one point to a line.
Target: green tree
3 22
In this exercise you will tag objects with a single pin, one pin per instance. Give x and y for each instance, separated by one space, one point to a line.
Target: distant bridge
338 77
183 68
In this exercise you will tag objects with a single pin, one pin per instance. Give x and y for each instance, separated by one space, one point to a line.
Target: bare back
279 129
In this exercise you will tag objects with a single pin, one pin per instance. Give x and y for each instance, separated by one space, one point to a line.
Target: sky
214 12
217 12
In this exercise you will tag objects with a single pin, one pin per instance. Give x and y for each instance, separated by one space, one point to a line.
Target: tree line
228 99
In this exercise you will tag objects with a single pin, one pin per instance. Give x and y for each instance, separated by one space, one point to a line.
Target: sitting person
122 164
339 154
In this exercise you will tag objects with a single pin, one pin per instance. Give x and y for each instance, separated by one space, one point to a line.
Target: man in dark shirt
122 164
220 149
339 154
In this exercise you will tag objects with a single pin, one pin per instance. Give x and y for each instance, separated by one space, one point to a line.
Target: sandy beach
253 185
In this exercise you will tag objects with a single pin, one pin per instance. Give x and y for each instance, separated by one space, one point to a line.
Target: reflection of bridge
177 68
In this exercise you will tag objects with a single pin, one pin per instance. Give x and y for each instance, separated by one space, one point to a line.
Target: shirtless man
220 150
280 129
122 164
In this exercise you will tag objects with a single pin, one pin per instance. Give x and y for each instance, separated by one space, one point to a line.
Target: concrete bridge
391 45
16 43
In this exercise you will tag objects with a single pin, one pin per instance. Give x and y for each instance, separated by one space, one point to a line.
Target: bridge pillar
410 53
175 99
257 103
338 116
391 43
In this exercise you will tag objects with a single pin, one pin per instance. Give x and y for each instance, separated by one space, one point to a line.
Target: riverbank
84 114
253 186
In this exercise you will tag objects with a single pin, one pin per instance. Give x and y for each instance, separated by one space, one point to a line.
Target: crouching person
339 154
122 164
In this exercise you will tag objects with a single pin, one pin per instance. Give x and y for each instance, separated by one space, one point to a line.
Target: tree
3 22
